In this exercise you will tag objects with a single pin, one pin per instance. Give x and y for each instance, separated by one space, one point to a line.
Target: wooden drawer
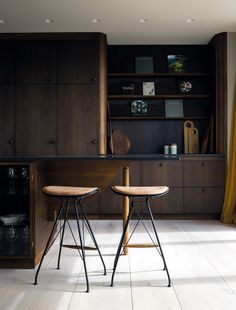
162 172
203 200
171 203
204 173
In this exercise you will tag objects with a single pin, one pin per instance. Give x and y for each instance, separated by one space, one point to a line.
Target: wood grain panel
204 173
203 200
7 62
171 203
77 61
218 46
165 172
39 224
77 120
35 120
7 120
35 62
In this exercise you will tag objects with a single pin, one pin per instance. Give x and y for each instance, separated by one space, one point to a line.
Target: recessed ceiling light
2 21
190 20
143 20
96 20
48 21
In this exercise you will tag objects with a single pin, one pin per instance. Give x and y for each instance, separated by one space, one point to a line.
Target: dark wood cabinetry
168 173
35 62
204 181
77 61
35 120
7 62
7 119
58 93
77 122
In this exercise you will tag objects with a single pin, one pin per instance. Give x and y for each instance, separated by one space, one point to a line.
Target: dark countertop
107 157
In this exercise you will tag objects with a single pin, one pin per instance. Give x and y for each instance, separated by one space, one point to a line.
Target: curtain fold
229 208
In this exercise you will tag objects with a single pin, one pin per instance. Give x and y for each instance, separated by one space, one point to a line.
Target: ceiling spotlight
190 20
143 20
2 21
48 21
96 20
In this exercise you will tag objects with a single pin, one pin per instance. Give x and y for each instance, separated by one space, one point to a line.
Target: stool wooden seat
68 191
71 196
145 192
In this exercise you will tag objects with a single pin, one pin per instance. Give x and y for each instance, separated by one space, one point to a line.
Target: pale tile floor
201 256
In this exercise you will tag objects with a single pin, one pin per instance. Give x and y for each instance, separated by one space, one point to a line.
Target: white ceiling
120 18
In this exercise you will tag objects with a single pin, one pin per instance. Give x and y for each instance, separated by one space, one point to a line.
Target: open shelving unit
150 131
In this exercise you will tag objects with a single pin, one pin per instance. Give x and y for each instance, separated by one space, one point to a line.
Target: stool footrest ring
141 245
78 247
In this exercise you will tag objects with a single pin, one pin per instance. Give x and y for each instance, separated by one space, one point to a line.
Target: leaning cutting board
119 142
193 142
191 138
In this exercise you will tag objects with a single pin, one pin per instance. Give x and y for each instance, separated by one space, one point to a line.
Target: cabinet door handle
94 141
53 141
11 142
93 79
204 190
203 164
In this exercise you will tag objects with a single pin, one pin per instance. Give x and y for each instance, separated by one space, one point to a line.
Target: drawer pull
161 164
53 141
204 190
11 142
203 164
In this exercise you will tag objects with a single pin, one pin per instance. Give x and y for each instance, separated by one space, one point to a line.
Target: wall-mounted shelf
161 74
158 97
123 118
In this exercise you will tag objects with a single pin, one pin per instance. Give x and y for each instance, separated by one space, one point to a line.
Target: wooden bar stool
146 193
75 196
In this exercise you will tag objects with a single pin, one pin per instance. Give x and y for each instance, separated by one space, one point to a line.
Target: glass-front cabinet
15 210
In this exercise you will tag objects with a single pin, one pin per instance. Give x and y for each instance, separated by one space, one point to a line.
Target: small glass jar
166 149
173 149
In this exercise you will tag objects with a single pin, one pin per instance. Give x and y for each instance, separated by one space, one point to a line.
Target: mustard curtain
229 208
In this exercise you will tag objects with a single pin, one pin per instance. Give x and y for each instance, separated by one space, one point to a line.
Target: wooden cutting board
119 142
191 138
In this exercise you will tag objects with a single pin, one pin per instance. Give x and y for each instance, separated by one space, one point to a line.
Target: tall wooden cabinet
53 87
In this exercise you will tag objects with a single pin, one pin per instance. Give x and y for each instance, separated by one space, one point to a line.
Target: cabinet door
166 172
7 120
77 61
77 119
7 62
35 62
201 173
35 120
203 200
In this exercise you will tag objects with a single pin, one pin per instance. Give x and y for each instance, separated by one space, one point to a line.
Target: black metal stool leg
158 241
49 240
92 236
62 234
81 244
121 242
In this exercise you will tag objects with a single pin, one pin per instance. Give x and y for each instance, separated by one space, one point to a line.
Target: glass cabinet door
14 210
